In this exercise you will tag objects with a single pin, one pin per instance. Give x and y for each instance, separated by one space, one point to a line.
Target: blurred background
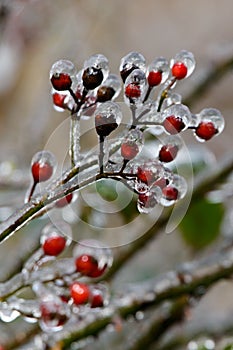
36 33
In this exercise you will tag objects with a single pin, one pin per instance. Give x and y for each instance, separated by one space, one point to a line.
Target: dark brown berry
125 72
105 125
92 77
105 93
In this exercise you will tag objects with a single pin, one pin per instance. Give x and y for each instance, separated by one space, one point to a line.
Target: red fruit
146 176
132 91
54 245
167 153
87 265
173 125
97 299
206 130
129 150
58 100
41 171
61 81
154 78
170 193
80 293
64 201
179 70
147 200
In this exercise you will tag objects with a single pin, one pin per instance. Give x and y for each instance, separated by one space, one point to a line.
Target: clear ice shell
133 59
57 228
114 82
109 109
160 64
180 184
98 250
213 115
62 66
187 58
98 61
44 157
172 99
134 137
179 111
136 77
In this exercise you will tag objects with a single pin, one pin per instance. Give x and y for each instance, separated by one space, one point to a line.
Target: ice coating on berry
176 189
42 166
131 61
135 85
149 172
61 74
110 89
99 62
183 59
213 115
169 148
58 229
158 71
107 118
54 313
132 144
92 258
176 118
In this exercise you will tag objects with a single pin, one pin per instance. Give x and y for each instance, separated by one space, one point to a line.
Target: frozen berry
54 245
132 91
170 193
105 93
146 176
41 171
61 81
173 124
92 77
58 100
206 130
80 293
64 201
87 265
154 78
125 72
167 153
105 125
129 150
97 299
179 70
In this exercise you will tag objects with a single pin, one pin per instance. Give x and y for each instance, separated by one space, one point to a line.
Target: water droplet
139 315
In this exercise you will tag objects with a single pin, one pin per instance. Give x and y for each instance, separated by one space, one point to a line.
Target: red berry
41 171
179 70
64 201
132 91
80 293
58 100
146 176
170 193
97 299
154 78
61 81
206 130
167 153
147 200
54 245
173 124
87 265
129 150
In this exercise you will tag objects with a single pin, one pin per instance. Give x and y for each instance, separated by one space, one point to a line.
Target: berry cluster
68 285
91 91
